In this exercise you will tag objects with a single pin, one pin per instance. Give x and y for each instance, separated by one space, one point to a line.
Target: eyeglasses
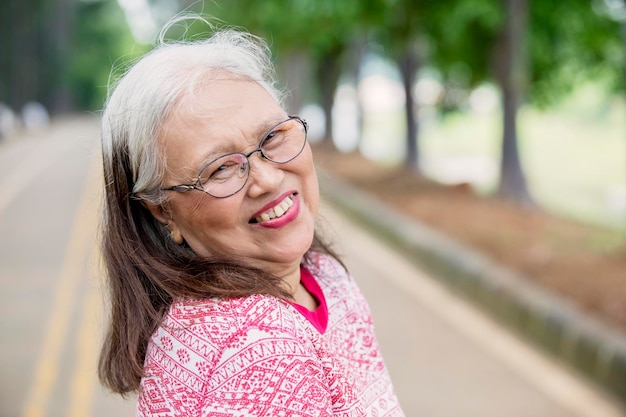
228 174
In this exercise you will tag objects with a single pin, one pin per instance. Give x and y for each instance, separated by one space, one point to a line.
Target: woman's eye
274 138
219 172
223 171
269 137
219 169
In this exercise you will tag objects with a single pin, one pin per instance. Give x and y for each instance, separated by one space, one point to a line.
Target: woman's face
222 117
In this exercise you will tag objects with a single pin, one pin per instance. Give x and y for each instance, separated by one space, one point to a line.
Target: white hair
145 95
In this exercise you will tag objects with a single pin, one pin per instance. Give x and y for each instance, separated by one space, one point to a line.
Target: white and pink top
263 356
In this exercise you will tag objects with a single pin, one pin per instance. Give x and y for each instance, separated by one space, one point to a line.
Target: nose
265 176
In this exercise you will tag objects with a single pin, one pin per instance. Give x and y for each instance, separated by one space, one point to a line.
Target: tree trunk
20 51
328 72
511 74
59 27
35 52
409 64
358 47
294 68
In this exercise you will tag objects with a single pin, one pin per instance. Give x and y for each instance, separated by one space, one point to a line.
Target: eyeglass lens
228 174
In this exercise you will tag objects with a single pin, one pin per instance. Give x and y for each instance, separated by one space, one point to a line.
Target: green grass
574 156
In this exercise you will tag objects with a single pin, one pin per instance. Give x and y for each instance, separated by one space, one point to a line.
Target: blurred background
516 101
520 98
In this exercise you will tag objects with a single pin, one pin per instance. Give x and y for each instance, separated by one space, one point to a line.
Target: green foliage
567 41
570 43
463 35
314 25
101 36
60 53
325 30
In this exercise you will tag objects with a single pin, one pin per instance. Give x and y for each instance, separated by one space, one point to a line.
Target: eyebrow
272 121
261 129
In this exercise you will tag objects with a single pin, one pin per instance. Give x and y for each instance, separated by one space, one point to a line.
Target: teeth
278 210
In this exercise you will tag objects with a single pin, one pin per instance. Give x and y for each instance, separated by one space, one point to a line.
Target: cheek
313 191
309 179
203 212
189 208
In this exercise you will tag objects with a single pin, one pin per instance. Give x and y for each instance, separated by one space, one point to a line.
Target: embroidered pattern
258 356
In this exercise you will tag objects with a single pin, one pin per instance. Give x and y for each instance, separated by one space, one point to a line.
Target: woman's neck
304 298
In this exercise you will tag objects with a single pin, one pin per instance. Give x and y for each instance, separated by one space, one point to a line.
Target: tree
569 45
535 52
59 52
444 35
22 45
100 45
511 75
573 43
402 31
322 29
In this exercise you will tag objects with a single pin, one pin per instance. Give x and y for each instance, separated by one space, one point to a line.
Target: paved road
445 358
50 305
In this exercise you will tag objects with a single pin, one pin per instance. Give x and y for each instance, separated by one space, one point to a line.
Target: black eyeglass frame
183 188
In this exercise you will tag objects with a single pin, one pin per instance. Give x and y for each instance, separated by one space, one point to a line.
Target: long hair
145 269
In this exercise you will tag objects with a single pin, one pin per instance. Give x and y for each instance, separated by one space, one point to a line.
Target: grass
574 156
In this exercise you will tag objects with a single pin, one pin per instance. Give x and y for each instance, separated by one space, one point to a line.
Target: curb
573 337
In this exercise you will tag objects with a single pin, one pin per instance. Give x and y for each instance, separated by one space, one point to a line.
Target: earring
170 233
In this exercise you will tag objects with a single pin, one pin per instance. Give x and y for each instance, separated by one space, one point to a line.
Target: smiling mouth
275 212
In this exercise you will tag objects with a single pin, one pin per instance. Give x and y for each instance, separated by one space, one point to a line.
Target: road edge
572 336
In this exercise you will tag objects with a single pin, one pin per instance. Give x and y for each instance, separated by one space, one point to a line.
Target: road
445 358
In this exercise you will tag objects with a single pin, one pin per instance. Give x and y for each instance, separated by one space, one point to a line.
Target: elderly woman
224 300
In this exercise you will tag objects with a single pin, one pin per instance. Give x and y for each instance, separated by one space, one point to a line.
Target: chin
291 251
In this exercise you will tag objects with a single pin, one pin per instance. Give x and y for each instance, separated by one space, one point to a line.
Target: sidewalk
577 341
445 357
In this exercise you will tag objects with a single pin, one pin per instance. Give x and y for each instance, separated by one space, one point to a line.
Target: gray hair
143 98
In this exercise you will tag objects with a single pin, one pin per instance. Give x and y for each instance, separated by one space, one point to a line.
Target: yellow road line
83 382
72 271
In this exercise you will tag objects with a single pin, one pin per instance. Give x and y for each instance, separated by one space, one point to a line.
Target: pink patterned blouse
262 356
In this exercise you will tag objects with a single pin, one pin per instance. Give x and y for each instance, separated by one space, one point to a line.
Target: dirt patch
583 263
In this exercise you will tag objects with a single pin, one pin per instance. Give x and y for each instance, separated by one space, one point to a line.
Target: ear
163 215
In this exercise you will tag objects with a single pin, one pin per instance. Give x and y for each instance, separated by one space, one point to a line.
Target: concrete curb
572 336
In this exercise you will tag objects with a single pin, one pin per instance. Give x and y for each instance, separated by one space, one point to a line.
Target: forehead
222 99
216 117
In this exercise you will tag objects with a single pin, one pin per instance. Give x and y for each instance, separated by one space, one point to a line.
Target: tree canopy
61 52
55 48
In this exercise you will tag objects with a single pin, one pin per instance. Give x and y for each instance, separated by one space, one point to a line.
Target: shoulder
190 312
208 327
199 342
218 321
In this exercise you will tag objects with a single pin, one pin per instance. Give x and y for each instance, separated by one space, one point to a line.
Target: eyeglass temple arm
181 188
